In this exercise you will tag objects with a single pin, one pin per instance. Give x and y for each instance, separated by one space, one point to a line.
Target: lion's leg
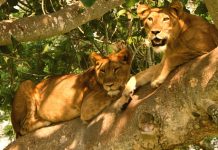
19 106
29 119
165 71
136 81
33 124
141 79
170 63
32 121
93 105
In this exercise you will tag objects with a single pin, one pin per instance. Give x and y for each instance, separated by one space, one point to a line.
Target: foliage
130 3
69 53
88 3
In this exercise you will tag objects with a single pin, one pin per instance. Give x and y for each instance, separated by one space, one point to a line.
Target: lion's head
161 24
112 71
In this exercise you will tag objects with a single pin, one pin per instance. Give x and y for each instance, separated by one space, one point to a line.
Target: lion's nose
155 32
110 84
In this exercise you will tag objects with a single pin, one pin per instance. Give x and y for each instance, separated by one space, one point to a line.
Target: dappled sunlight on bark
46 132
181 110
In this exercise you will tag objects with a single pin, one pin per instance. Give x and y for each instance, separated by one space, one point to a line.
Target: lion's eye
166 19
150 19
116 69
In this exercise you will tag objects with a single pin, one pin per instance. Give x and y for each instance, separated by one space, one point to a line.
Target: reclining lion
66 97
179 35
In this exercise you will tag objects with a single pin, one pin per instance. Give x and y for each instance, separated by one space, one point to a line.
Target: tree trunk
177 112
62 21
212 6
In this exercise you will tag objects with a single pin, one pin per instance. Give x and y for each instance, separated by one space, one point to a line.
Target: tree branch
176 112
212 6
62 21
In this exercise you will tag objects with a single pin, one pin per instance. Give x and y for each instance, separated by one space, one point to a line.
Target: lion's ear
125 56
143 11
94 57
177 6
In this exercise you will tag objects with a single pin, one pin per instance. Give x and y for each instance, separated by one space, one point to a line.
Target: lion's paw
24 130
156 83
117 106
212 110
25 127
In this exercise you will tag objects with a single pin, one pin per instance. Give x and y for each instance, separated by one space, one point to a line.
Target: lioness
66 97
179 35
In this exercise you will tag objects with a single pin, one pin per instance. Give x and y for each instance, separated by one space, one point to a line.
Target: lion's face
161 24
112 72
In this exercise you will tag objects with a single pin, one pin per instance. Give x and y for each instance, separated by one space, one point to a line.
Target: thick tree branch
156 119
62 21
212 6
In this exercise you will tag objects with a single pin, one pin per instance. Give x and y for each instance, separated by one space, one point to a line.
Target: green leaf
201 9
88 3
121 12
130 3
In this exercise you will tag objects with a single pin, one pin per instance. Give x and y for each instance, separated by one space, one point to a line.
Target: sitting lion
66 97
179 35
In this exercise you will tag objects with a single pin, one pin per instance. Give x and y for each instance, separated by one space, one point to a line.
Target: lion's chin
160 49
113 93
159 45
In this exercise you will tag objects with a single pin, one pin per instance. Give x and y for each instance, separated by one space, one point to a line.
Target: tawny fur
66 97
183 38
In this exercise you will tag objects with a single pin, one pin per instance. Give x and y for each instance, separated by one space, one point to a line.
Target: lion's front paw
120 102
156 83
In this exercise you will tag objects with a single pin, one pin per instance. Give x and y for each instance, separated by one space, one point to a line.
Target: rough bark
176 112
62 21
212 6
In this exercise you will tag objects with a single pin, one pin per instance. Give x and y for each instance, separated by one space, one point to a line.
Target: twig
43 7
26 5
52 6
80 30
9 56
23 8
115 30
33 74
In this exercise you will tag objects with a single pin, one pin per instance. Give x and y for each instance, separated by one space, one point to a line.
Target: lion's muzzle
156 42
112 89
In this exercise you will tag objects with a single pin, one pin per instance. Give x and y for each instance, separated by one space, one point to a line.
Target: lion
63 98
180 36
